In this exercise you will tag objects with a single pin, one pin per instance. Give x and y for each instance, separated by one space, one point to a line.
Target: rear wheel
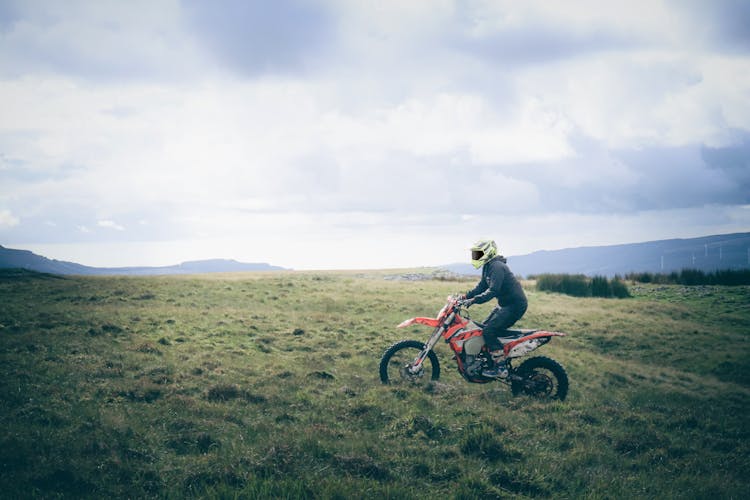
542 378
398 360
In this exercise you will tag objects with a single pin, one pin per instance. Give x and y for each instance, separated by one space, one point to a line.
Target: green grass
266 386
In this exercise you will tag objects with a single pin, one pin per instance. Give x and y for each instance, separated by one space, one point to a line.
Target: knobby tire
417 347
531 367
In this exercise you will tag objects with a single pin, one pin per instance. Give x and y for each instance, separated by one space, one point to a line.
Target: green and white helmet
482 251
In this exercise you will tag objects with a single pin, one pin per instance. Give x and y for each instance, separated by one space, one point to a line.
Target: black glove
464 301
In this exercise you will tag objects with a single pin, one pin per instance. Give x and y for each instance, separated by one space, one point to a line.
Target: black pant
499 320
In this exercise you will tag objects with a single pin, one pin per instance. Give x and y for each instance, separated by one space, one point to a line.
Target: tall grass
266 386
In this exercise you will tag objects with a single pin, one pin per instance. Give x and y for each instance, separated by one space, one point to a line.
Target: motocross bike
411 362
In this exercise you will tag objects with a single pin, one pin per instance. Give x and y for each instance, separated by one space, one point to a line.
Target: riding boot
500 370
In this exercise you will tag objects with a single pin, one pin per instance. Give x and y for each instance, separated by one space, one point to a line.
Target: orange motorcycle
413 362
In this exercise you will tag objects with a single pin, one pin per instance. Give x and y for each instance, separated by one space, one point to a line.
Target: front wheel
396 365
541 377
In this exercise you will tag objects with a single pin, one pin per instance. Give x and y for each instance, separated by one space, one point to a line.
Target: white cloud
645 98
304 241
110 225
8 220
80 38
428 116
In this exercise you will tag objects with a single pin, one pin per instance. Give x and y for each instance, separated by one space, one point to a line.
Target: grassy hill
265 385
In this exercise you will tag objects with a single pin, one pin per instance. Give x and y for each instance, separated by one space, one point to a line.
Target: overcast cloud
333 134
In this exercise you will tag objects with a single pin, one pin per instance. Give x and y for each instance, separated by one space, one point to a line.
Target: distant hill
24 259
709 253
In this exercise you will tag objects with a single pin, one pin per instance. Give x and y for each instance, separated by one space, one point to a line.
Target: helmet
482 252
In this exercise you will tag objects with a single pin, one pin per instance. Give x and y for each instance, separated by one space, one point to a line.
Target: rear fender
433 322
526 344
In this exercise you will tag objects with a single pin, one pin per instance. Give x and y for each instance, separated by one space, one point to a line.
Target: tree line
692 277
580 285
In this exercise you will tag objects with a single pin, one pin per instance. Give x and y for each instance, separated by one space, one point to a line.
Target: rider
497 282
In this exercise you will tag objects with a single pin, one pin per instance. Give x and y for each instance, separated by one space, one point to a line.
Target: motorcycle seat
510 334
505 337
515 333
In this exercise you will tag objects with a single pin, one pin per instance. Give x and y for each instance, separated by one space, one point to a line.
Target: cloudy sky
348 134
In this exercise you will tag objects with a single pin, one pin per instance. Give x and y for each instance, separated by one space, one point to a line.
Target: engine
474 357
474 364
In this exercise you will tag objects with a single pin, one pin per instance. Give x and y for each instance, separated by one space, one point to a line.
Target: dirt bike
412 362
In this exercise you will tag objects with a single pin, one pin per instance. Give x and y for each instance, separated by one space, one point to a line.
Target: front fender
433 322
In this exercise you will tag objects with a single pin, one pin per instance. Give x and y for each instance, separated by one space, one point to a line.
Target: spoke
401 366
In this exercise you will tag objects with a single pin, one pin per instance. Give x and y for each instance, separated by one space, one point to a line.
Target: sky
339 134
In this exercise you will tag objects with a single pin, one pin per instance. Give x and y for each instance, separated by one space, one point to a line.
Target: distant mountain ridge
708 253
25 259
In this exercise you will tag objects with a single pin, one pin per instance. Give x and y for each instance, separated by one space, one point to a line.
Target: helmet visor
477 254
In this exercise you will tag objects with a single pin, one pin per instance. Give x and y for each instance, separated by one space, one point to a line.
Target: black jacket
498 282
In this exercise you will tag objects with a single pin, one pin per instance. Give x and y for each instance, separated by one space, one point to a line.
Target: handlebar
464 303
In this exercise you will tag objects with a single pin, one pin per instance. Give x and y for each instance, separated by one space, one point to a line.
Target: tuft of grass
487 445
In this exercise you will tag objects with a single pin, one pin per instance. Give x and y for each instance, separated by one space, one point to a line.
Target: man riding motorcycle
498 282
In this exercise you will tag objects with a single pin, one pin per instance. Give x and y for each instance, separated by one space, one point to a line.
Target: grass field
266 386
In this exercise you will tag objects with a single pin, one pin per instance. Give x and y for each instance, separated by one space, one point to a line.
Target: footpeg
498 372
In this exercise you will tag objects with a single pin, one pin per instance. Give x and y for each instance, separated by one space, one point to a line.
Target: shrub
569 284
732 277
619 289
600 287
579 285
692 277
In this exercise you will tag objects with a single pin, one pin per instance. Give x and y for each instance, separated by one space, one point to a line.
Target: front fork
416 366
